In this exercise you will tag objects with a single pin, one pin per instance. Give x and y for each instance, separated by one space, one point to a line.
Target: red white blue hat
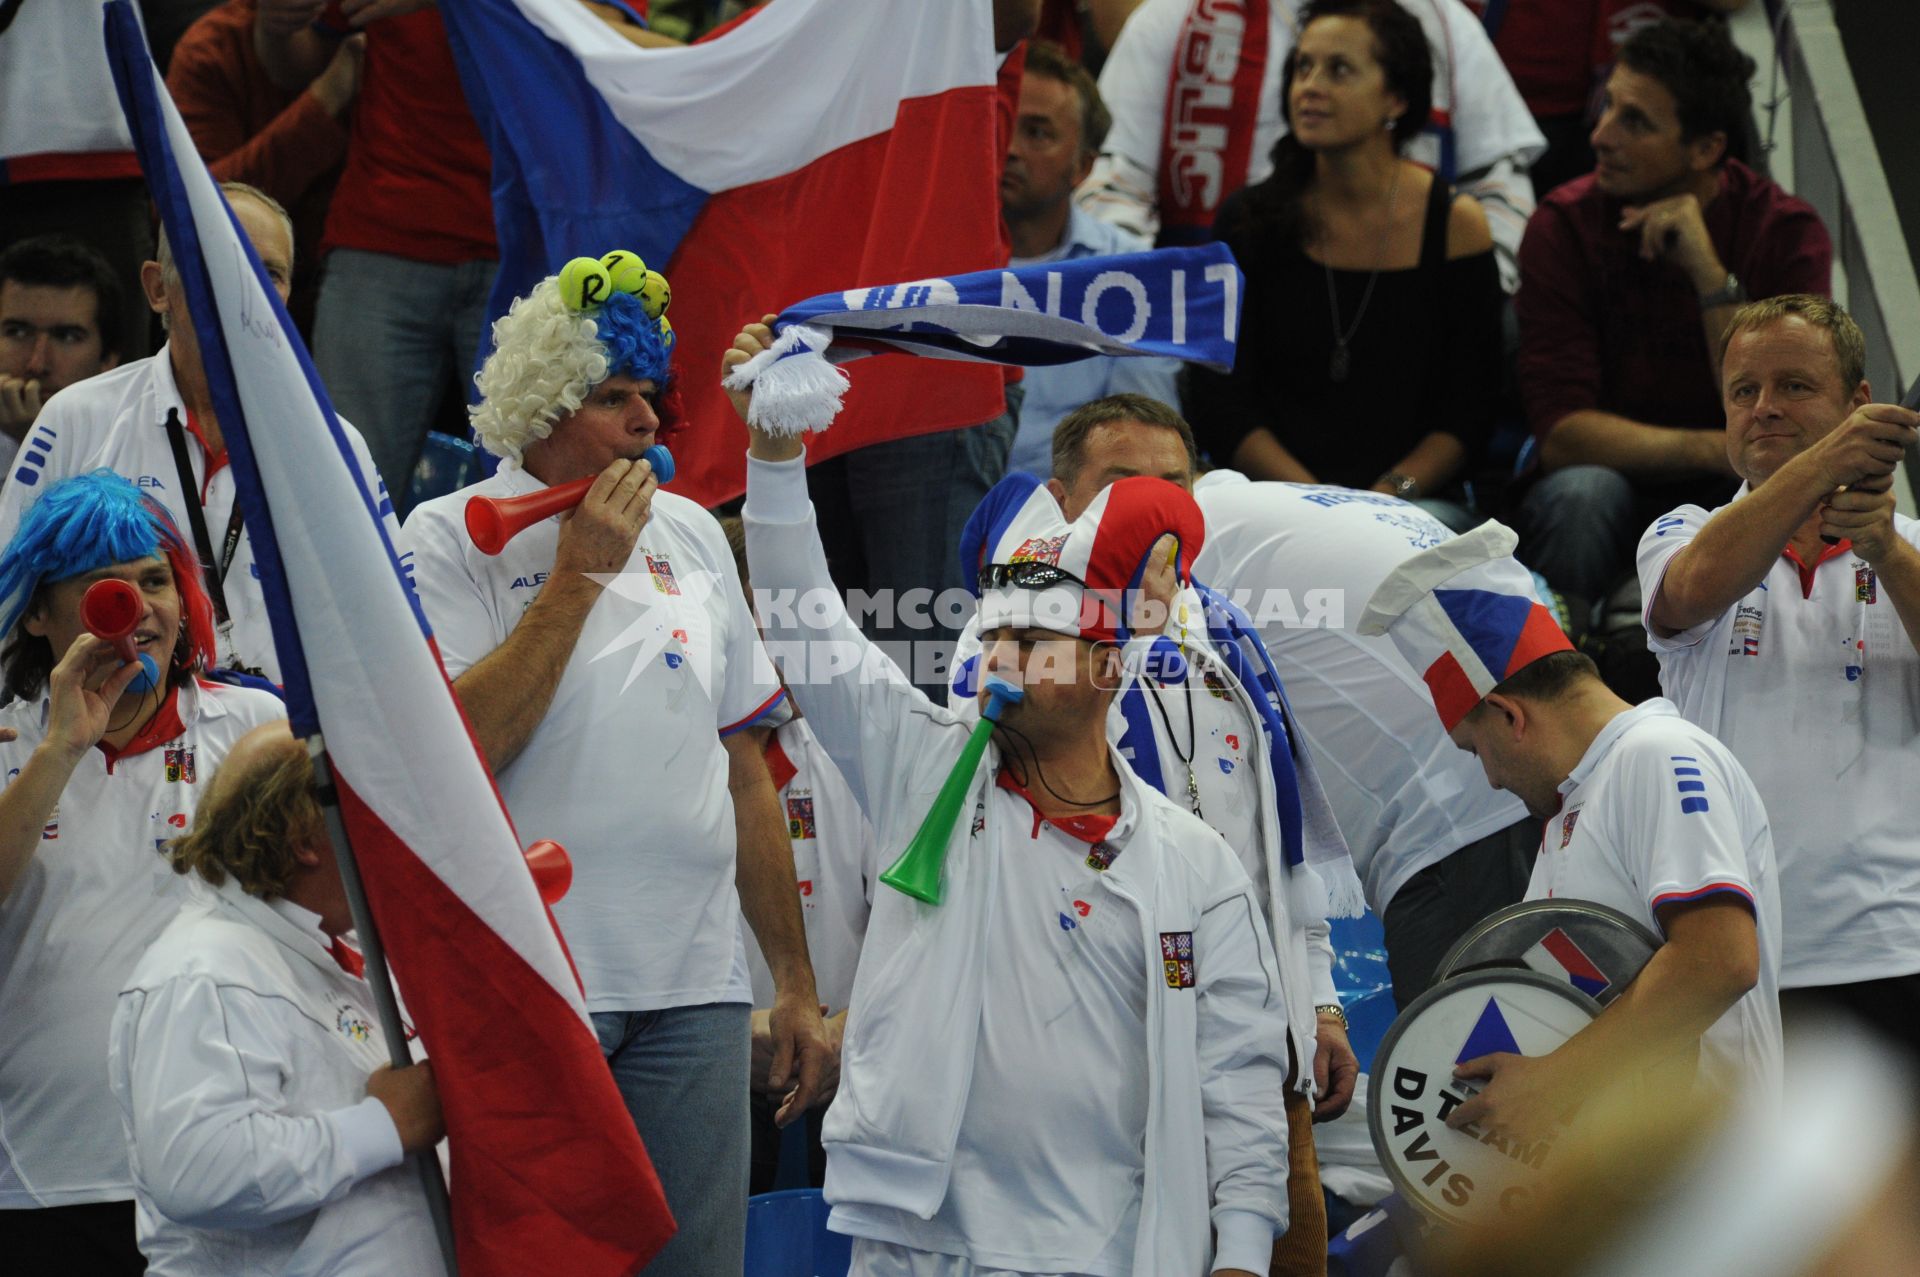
1466 617
1080 578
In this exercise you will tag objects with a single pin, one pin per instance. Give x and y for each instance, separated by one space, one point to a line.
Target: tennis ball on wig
666 332
656 295
584 283
628 272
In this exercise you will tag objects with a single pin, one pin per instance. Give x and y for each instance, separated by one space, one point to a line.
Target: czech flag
1466 617
548 1174
1557 955
819 144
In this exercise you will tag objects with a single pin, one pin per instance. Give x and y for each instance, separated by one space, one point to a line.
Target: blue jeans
1578 527
389 335
1436 906
683 1072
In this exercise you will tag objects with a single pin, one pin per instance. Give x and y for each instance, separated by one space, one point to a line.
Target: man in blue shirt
1057 132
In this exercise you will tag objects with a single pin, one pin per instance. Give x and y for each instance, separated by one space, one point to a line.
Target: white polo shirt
1659 813
117 421
835 862
626 769
1813 683
1303 560
93 897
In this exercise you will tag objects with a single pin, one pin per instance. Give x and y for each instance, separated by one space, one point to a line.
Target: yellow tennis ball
629 273
656 295
584 283
666 332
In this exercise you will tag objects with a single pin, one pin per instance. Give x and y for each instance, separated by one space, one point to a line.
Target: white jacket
1296 905
239 1054
1215 1143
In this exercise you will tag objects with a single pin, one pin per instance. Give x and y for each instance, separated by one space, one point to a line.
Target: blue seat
787 1237
1365 987
1374 1245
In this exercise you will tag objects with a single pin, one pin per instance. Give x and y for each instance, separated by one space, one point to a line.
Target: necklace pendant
1193 791
1340 364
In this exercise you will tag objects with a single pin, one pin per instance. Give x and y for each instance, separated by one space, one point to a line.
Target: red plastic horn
552 869
111 610
494 521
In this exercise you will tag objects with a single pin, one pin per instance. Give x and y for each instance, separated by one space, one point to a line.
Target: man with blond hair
1786 624
265 1128
153 422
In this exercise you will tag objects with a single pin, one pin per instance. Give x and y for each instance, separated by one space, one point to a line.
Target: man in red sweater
409 244
1627 279
290 143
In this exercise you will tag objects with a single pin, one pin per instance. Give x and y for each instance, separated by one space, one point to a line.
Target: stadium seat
787 1237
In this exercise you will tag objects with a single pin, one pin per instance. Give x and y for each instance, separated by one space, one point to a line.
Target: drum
1457 1177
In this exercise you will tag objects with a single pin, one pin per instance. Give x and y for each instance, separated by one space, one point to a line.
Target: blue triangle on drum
1490 1035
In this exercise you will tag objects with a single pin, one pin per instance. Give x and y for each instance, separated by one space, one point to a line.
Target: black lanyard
197 518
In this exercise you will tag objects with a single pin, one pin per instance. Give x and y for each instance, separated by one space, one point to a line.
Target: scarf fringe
795 390
1345 896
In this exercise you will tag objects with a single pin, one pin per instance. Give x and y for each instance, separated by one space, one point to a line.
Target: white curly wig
545 359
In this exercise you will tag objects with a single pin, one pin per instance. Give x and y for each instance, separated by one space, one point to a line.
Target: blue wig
634 344
93 521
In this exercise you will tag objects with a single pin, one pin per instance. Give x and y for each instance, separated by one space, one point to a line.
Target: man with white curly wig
613 676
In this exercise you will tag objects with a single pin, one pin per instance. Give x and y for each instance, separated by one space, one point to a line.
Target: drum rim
1409 1190
1450 966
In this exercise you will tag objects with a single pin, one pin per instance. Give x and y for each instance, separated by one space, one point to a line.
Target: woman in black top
1370 344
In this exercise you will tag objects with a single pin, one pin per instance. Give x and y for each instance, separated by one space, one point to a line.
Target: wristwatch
1404 486
1332 1010
1728 294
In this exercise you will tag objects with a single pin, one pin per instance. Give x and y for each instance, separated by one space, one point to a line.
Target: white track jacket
1214 1149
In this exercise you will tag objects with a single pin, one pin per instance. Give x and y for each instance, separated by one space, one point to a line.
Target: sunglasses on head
1030 575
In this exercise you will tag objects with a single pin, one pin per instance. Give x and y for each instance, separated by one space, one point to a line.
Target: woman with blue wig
104 759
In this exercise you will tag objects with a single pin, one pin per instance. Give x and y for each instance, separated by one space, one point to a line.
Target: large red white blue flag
820 145
548 1174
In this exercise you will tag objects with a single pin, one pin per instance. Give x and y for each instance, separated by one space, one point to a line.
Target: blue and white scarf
1182 302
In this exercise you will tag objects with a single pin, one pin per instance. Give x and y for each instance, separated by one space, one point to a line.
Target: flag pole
432 1182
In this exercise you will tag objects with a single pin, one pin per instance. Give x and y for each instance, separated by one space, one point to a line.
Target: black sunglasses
1030 575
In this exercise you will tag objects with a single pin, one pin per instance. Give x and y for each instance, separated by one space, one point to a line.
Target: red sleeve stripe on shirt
758 714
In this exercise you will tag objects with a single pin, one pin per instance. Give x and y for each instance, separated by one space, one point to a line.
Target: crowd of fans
1415 169
1501 261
